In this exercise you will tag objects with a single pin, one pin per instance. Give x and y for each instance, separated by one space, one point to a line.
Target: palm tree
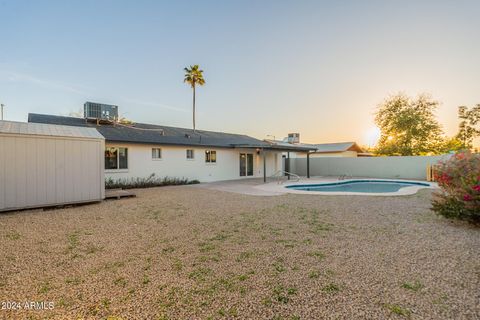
194 76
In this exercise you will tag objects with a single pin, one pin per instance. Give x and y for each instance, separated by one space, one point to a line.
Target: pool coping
281 188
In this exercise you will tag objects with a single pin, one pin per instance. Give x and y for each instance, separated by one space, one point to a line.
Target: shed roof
40 129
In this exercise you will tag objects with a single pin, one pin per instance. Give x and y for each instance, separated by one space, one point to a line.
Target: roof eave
186 144
275 147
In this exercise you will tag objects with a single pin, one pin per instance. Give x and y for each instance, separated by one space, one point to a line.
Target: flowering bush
459 179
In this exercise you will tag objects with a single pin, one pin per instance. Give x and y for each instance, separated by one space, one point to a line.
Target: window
111 158
122 158
116 158
210 156
190 154
156 153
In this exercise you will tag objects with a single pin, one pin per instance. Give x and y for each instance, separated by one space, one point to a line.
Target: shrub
148 182
459 180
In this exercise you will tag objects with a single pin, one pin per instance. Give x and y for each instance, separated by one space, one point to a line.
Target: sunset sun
372 135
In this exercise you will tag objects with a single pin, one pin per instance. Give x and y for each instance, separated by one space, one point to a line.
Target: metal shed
49 165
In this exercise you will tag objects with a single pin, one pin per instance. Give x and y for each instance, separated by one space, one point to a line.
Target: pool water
363 186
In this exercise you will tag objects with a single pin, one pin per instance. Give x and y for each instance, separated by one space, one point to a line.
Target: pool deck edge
281 188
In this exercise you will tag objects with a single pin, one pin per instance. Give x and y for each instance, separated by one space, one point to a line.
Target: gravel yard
192 253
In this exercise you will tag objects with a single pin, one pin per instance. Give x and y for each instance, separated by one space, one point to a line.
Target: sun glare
372 136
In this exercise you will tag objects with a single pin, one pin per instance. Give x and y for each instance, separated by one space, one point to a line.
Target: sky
319 68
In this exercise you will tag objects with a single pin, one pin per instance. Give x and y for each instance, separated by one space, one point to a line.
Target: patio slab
242 186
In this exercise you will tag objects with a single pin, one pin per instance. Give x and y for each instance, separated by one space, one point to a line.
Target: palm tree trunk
193 108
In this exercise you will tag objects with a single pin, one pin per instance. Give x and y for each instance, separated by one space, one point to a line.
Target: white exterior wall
37 171
174 163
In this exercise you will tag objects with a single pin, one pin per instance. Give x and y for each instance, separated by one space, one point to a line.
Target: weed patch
200 274
14 235
244 256
399 310
121 282
317 254
415 286
73 240
331 288
282 294
44 287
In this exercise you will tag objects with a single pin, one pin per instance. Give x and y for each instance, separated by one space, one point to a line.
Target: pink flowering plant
459 180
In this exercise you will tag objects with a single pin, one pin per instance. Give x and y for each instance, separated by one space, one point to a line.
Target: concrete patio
241 186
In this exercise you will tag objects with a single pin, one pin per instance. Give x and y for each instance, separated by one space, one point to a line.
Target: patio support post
308 165
288 165
264 166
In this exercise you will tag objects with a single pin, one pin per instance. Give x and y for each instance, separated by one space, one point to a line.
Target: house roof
337 147
40 129
154 134
319 148
299 147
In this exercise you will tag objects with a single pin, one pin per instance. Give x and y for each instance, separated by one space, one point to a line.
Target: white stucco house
138 150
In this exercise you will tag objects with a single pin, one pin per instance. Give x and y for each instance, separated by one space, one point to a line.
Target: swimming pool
359 186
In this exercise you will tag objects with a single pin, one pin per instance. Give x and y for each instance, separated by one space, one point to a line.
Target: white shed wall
175 164
38 171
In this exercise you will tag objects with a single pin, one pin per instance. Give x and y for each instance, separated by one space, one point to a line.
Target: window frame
159 153
117 149
208 159
193 154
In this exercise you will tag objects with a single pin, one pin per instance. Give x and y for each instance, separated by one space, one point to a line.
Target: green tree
408 126
194 77
467 129
451 145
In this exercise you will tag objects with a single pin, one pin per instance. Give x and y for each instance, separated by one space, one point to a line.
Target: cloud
45 83
49 84
153 104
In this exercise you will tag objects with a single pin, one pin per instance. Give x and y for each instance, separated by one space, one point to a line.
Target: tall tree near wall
408 126
468 128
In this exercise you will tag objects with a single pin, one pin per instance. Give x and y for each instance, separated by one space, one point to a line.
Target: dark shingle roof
154 134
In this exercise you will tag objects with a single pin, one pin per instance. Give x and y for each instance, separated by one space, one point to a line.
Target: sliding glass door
249 164
246 164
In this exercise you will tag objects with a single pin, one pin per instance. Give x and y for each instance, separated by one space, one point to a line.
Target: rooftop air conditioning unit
93 110
293 138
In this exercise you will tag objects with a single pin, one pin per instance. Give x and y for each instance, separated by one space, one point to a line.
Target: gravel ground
193 253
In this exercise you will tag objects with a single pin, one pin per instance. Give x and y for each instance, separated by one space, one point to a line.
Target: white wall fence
373 167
